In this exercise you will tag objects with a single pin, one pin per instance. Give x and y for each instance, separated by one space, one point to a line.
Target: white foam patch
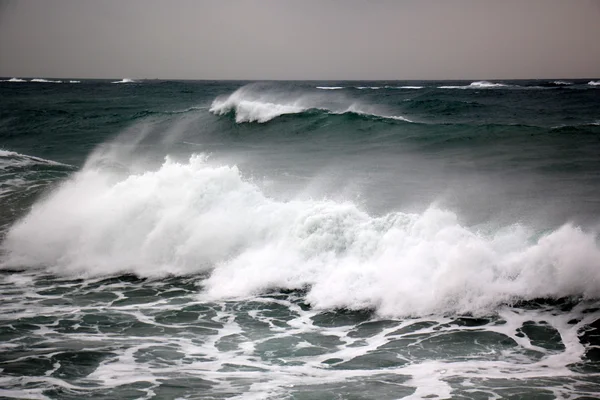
252 105
186 218
594 83
125 80
477 85
15 80
40 80
562 83
330 87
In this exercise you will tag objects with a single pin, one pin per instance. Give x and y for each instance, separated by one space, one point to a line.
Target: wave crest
254 104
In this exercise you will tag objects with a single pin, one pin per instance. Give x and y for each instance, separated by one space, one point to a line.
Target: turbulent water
299 240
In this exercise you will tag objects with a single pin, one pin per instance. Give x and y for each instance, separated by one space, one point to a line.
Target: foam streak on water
116 336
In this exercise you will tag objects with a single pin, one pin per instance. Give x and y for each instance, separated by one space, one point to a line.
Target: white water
594 83
39 80
254 104
15 80
188 218
125 80
476 85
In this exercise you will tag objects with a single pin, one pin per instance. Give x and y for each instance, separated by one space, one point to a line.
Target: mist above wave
193 217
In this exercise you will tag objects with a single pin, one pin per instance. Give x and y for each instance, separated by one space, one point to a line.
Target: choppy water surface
306 240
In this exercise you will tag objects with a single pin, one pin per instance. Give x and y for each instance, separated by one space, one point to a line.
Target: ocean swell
194 217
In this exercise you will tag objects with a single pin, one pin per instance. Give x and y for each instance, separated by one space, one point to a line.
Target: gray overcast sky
300 39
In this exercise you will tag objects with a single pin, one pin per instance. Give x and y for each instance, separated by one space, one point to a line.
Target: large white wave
194 217
258 105
594 83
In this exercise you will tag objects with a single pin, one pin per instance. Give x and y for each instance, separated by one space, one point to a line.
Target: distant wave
40 80
15 80
124 80
562 83
251 105
369 87
594 83
74 81
477 85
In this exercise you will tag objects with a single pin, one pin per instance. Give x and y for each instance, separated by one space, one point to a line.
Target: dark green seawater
299 240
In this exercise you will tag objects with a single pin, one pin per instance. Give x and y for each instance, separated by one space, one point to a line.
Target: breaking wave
251 104
196 218
594 83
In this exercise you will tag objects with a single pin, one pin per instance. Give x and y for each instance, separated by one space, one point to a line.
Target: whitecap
125 80
476 85
40 80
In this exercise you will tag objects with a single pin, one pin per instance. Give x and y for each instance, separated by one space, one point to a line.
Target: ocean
299 240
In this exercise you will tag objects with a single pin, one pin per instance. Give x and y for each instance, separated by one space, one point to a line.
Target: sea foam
15 80
124 80
40 80
193 217
13 159
477 85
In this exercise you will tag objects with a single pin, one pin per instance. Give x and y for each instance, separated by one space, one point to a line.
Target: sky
300 39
